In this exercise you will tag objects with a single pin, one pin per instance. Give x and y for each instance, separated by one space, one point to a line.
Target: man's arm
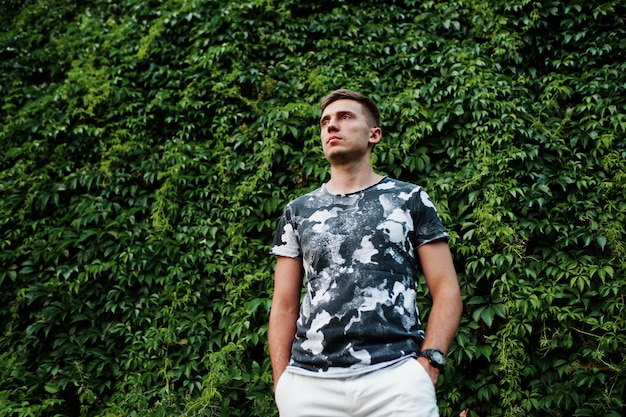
447 307
284 312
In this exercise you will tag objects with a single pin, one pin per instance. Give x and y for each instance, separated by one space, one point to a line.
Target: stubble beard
344 157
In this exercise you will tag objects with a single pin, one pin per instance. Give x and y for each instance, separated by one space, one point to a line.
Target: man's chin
339 156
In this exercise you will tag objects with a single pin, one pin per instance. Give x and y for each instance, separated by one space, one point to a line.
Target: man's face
347 132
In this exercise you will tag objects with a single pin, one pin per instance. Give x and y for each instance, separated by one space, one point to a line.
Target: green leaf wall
148 148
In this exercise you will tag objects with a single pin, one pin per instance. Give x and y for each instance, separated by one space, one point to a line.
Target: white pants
403 390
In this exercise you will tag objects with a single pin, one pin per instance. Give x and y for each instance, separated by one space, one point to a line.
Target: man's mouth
333 139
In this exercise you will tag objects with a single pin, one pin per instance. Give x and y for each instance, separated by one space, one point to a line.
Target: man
355 346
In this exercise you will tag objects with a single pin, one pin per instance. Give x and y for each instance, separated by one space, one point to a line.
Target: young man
355 346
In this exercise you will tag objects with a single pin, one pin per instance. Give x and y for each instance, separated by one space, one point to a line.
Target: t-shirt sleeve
286 242
428 226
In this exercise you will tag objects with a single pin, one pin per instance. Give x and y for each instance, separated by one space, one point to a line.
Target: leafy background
148 148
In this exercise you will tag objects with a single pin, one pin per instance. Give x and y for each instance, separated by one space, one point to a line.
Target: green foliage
149 148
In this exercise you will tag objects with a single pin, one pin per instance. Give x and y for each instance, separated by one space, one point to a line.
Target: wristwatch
435 357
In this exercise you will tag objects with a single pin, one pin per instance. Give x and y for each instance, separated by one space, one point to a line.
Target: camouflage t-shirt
358 253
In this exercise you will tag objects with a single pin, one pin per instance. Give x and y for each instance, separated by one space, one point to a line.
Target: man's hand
430 370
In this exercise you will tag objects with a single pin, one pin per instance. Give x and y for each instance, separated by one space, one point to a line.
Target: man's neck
346 181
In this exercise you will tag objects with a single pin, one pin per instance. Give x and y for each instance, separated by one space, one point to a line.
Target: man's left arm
445 314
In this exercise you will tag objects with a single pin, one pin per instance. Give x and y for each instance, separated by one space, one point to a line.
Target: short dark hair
343 94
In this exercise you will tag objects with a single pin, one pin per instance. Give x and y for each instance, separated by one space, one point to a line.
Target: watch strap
430 354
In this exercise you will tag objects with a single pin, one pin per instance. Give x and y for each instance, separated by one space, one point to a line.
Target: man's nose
332 125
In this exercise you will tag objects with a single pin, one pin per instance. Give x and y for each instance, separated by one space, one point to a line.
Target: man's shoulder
399 185
305 198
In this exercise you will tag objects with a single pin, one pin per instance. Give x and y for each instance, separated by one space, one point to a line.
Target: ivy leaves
150 148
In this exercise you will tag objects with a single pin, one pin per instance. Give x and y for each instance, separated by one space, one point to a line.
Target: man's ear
376 134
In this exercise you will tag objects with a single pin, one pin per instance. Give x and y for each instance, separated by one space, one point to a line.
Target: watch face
438 357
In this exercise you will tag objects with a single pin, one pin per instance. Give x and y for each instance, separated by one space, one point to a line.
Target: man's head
349 127
369 106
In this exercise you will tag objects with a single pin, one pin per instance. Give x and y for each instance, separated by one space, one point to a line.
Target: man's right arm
284 312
